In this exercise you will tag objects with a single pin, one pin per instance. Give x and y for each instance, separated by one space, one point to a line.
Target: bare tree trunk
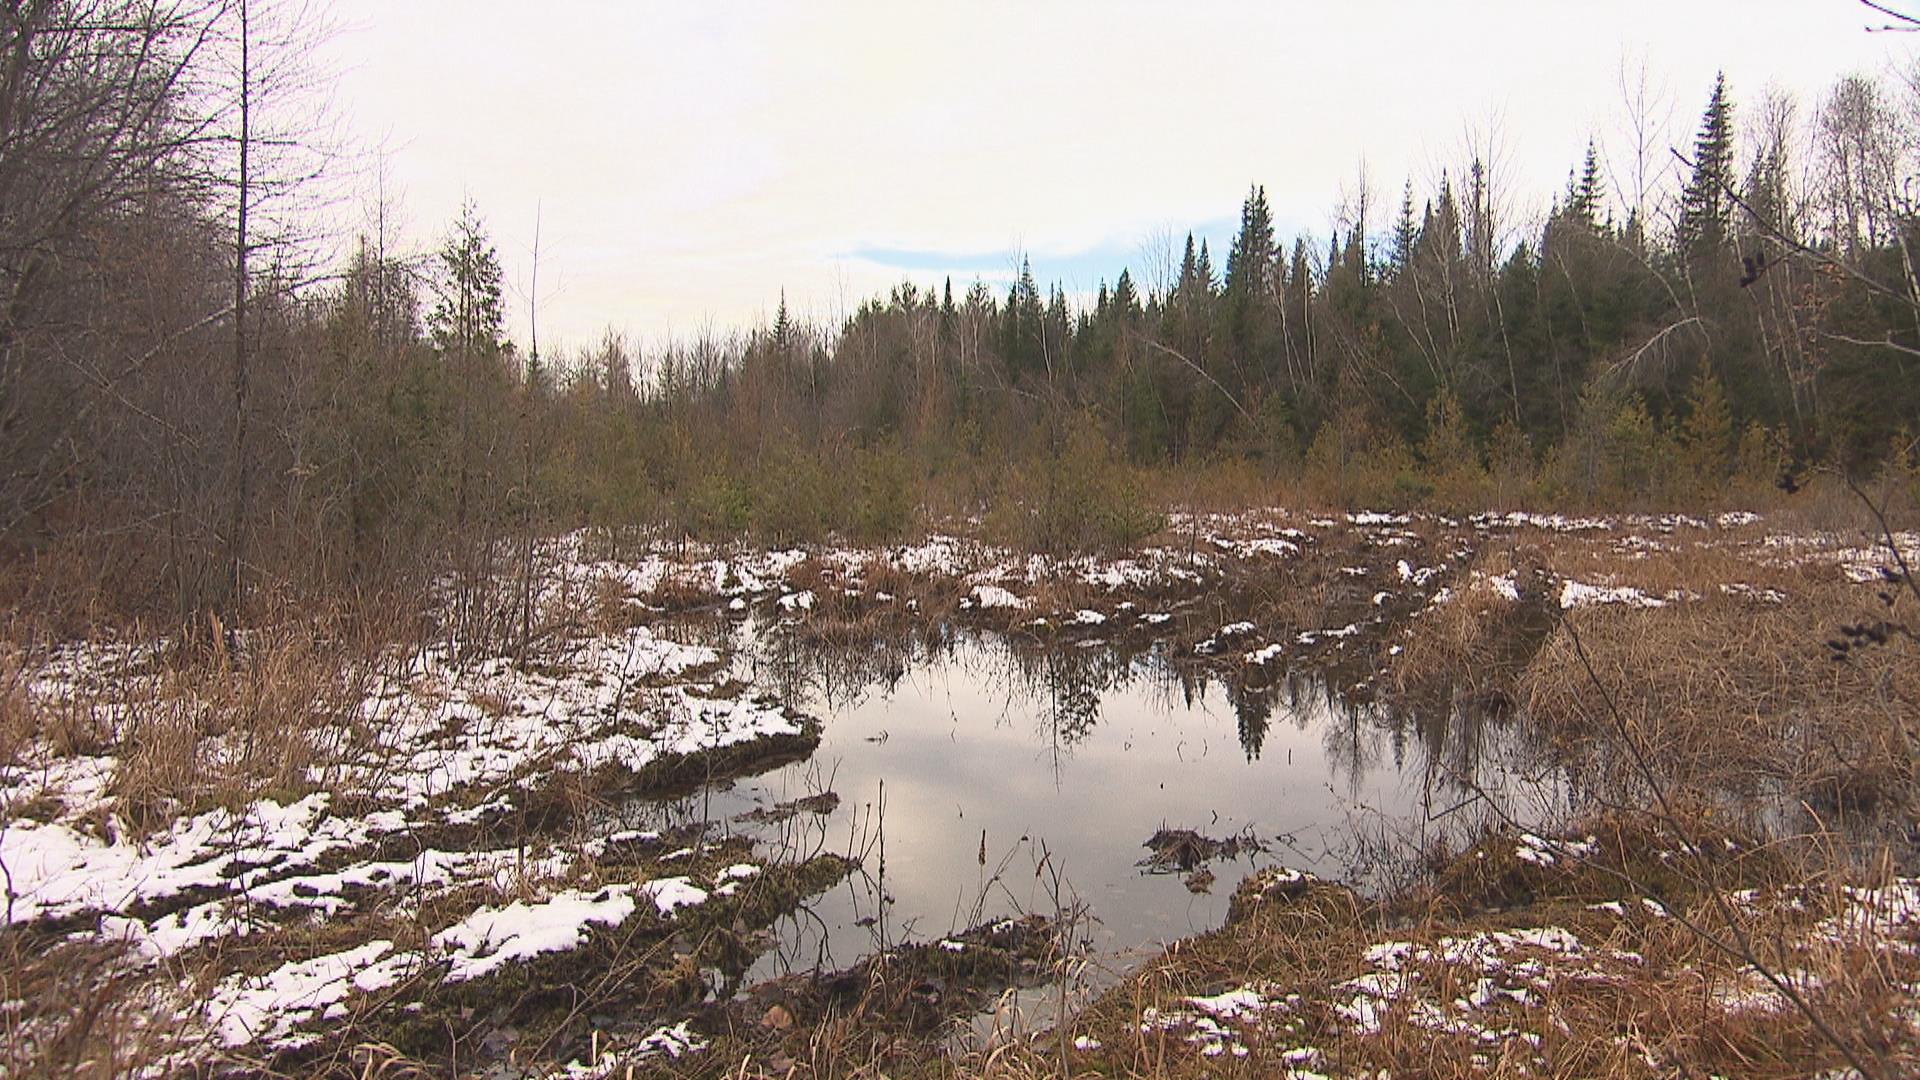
526 451
237 519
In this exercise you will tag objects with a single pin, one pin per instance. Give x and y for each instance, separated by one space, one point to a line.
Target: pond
979 777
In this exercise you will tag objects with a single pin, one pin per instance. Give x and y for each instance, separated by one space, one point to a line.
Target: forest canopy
185 408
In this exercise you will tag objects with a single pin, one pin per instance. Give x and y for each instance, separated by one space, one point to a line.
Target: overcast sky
691 159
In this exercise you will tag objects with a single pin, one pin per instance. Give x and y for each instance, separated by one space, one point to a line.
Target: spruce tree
1187 288
1479 238
1250 259
1702 226
1587 191
1440 233
1126 302
1405 232
469 311
782 325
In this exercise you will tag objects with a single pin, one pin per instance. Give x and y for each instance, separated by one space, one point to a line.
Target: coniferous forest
192 404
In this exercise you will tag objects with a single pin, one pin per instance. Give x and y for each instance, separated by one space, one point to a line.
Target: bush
794 499
716 507
1078 498
884 501
1349 465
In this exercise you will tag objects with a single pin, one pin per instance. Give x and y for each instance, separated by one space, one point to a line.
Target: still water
978 778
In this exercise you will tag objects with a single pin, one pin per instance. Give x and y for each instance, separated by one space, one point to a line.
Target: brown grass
1477 644
222 730
1645 997
1728 693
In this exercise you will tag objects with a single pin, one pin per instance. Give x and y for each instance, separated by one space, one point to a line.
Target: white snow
269 1007
673 1042
671 894
491 937
54 871
989 597
1417 577
1574 594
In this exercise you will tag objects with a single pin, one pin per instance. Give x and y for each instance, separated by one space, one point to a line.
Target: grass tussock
1726 693
1479 642
216 727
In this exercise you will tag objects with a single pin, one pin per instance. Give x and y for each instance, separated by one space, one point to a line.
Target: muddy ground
427 861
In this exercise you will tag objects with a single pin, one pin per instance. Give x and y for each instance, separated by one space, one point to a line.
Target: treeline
1765 313
1682 348
193 422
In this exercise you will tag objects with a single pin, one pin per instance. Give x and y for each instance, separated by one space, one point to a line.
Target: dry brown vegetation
1728 688
1602 983
1724 677
1730 694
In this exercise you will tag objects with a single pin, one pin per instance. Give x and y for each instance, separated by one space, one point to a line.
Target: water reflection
966 761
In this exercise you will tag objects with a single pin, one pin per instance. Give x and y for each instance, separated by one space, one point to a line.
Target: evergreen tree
1440 232
1250 259
1480 240
469 311
1707 436
1405 232
782 325
1022 327
1702 226
1126 302
1587 192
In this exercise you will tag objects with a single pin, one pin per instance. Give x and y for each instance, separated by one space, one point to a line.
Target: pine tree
1480 240
782 325
1023 346
1250 259
1707 436
1440 232
466 324
1189 269
470 309
1702 226
1588 191
1405 232
1126 302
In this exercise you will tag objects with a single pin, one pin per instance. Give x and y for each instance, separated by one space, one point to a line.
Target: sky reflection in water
1078 755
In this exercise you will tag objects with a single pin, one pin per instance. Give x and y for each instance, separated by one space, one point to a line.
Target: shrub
884 501
1078 498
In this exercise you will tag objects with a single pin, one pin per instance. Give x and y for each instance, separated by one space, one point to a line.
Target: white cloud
692 160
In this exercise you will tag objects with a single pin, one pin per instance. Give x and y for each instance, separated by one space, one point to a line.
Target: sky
683 164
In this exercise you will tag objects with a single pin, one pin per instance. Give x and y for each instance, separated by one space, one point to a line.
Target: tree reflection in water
960 726
1062 687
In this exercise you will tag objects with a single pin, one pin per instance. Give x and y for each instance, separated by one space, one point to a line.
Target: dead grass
217 729
1638 995
1727 693
1478 643
71 1011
